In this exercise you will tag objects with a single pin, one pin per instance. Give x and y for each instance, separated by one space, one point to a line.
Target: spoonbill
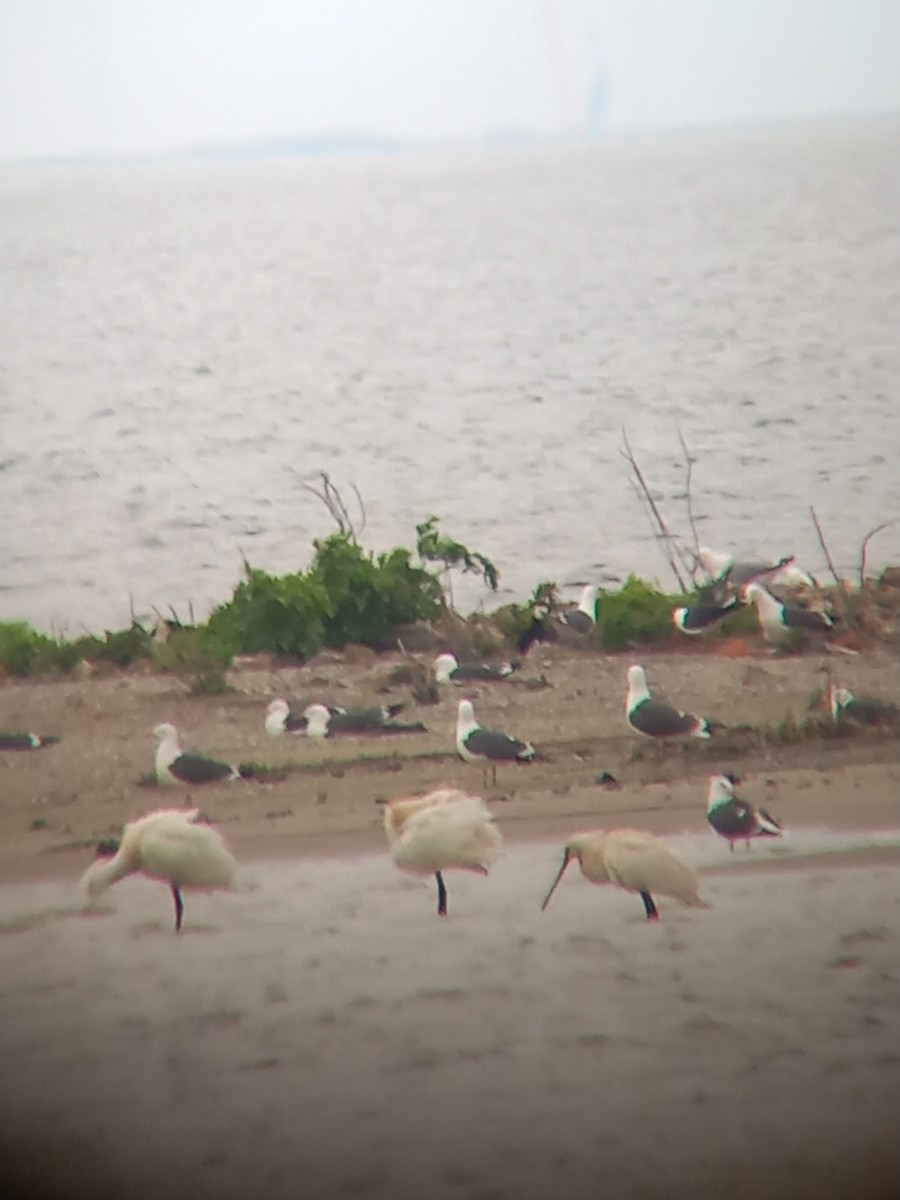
175 766
448 670
655 719
777 620
487 746
736 819
442 829
171 845
633 860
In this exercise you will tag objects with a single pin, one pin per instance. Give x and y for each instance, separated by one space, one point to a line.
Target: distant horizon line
358 143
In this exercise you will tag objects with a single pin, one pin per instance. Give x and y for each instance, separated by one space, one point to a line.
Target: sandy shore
322 1032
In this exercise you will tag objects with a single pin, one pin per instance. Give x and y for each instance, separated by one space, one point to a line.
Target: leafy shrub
348 595
432 546
195 652
24 651
367 595
283 614
636 614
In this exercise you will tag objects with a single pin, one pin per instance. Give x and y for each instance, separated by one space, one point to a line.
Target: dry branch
865 546
843 594
661 530
334 502
689 461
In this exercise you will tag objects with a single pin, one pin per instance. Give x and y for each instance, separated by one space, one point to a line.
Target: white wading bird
487 746
443 829
655 719
735 819
170 846
174 765
633 860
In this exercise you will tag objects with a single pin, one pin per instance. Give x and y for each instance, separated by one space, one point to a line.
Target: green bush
24 651
196 652
283 614
347 595
635 615
367 595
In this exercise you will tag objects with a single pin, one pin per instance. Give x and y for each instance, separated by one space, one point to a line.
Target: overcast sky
145 76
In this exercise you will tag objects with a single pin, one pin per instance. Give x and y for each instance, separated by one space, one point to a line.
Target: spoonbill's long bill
171 845
633 860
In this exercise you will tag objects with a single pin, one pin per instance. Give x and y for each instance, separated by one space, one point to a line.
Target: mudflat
323 1030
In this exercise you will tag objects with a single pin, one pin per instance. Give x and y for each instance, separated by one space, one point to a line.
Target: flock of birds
441 830
448 828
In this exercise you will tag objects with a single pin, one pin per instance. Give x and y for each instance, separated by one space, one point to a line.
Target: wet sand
322 1032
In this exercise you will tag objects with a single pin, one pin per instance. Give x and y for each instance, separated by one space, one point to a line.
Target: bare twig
334 502
841 584
663 536
865 546
689 460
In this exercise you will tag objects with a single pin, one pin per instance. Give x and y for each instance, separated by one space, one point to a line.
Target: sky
148 77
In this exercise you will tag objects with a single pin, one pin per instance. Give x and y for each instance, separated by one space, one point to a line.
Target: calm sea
455 333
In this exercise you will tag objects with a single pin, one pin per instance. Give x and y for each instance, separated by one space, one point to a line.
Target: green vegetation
346 595
432 546
24 651
637 614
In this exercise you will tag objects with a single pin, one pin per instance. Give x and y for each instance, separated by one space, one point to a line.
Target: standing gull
655 719
735 819
448 670
171 845
633 860
778 620
443 829
175 766
487 746
583 617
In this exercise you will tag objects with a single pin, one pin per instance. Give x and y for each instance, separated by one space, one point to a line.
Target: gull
736 819
655 719
176 766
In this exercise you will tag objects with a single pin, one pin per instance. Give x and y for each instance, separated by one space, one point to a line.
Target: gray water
459 333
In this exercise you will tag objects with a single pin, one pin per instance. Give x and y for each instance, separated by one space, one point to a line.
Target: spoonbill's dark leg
649 907
179 905
442 894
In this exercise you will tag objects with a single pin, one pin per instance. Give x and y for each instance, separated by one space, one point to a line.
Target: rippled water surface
460 334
